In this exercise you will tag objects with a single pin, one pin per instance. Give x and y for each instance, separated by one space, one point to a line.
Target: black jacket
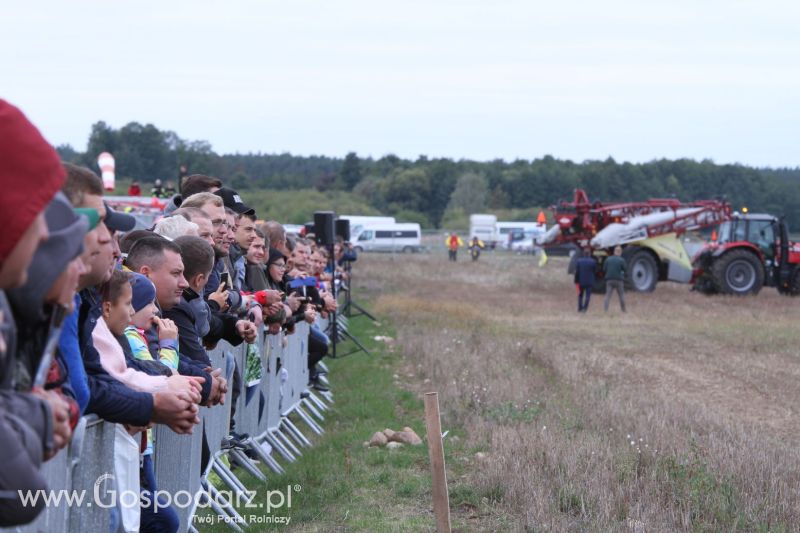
189 342
222 326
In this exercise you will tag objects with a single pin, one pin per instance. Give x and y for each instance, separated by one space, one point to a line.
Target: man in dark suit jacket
585 269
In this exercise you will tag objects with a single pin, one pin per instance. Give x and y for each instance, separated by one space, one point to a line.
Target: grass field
679 415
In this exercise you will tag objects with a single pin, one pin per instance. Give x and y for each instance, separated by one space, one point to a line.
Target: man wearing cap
244 233
109 398
34 425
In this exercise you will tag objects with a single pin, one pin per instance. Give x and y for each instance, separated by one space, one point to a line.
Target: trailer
750 251
650 233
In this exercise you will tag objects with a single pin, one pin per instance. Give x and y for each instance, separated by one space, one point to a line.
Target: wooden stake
433 425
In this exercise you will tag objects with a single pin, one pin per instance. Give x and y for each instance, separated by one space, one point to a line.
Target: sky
633 80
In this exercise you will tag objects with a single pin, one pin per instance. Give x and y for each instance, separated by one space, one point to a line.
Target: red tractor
750 251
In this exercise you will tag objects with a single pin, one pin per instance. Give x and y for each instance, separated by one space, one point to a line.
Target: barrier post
177 466
94 472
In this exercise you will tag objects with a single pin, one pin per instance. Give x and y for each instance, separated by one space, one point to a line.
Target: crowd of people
99 318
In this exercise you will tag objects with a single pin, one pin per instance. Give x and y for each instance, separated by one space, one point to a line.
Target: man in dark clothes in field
614 269
585 269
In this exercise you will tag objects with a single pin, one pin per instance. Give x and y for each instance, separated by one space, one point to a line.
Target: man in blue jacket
585 269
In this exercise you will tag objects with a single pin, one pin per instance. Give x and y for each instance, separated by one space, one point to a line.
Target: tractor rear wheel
642 269
738 272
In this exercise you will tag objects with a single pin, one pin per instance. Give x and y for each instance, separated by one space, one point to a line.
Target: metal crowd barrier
271 413
82 467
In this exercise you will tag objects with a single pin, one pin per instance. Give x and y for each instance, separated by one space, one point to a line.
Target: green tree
143 153
498 199
407 189
470 194
350 174
102 138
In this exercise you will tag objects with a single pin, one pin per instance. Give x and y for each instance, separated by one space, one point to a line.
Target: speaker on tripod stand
343 232
343 229
324 228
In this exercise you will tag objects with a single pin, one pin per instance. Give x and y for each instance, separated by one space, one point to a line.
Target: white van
389 238
510 232
483 227
358 223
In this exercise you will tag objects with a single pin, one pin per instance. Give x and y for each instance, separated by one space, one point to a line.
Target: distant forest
437 192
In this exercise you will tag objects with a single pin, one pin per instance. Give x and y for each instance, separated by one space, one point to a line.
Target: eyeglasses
281 266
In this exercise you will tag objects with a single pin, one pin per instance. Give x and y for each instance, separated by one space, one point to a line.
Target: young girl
118 313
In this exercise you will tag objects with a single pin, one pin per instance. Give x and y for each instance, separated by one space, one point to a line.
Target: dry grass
679 415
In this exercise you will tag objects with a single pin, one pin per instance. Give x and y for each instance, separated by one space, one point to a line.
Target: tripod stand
349 302
338 323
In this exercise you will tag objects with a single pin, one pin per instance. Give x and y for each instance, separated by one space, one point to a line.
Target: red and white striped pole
106 163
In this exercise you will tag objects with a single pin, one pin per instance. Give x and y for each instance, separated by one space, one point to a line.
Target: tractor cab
760 230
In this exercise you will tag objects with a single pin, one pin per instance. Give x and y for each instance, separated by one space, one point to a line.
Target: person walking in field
453 242
585 269
615 269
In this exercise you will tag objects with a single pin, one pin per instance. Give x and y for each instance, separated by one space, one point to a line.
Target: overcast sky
635 80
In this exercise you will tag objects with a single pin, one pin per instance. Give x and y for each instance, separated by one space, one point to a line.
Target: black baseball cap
116 221
232 200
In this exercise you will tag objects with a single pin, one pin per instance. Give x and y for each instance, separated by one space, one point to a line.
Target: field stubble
679 415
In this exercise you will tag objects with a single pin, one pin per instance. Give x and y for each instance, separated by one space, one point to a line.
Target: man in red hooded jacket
33 426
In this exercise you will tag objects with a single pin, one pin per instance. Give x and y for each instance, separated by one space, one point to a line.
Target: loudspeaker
343 229
324 227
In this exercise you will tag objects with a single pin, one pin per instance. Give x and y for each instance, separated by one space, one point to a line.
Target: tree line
438 191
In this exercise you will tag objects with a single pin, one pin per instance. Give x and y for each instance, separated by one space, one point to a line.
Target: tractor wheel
642 269
738 272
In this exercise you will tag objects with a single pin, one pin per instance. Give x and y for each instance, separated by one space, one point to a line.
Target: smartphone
226 279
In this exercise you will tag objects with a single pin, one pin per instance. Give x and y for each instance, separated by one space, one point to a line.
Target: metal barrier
88 469
271 413
80 467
